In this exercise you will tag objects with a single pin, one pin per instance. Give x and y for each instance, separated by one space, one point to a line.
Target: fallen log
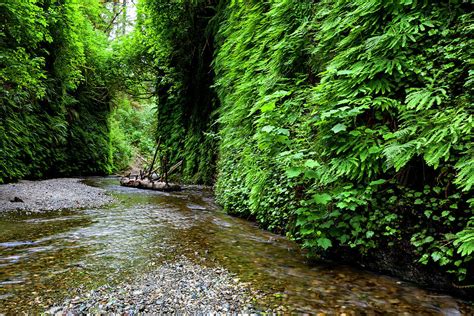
151 185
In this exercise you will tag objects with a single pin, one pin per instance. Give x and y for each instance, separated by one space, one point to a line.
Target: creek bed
52 257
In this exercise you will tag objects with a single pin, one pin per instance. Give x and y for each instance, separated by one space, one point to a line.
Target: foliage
54 105
347 125
178 51
339 123
361 112
132 130
57 90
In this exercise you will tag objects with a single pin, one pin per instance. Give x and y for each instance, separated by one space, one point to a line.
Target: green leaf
324 243
322 199
436 256
377 182
310 174
424 259
283 131
428 239
268 107
339 128
268 128
344 238
310 163
294 172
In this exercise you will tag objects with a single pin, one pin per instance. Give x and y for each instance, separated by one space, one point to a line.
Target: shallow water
45 258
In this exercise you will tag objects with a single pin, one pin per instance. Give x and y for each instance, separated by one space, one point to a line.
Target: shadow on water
47 257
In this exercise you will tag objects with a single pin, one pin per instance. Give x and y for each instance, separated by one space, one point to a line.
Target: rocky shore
180 287
50 195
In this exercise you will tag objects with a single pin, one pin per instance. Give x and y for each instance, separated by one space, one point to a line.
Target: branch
107 30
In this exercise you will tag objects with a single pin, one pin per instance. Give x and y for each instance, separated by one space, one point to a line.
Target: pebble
50 195
175 287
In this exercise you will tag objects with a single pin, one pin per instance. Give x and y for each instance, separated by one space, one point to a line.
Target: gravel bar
180 287
50 195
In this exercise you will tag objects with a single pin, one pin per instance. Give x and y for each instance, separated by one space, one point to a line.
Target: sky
131 18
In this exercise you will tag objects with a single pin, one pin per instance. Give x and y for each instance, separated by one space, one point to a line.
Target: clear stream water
45 258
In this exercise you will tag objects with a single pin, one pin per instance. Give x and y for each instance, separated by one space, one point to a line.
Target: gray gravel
180 287
49 195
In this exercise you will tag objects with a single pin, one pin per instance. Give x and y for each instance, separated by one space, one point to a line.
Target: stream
48 257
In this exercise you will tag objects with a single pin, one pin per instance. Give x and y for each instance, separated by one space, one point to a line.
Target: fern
465 240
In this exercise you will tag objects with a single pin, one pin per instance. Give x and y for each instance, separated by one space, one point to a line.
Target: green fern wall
348 125
54 105
179 47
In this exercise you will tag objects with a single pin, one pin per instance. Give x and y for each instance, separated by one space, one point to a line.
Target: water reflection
46 257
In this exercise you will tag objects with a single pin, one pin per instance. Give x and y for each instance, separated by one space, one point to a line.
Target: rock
53 310
172 288
50 195
16 199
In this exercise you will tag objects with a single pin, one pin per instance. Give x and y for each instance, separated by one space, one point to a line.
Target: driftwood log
147 184
147 179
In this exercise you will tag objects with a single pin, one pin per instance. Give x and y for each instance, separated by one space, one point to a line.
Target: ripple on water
11 282
196 207
13 244
47 220
5 296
